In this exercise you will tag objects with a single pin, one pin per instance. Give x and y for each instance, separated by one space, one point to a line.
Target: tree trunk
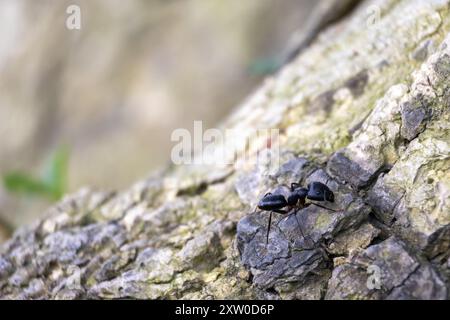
364 109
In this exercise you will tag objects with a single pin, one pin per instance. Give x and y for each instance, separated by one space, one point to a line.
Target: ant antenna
268 228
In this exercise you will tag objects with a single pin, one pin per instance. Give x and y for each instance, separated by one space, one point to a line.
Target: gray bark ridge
364 109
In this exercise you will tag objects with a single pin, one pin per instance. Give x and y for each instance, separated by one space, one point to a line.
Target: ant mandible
296 199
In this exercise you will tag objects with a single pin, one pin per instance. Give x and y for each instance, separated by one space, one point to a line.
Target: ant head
319 192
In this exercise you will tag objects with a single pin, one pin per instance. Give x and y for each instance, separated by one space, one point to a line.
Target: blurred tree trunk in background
364 109
134 72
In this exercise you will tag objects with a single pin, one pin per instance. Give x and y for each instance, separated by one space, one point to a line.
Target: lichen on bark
364 109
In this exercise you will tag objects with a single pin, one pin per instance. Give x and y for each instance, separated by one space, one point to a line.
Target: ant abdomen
272 201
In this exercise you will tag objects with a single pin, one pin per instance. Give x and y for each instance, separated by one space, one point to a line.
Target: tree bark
364 109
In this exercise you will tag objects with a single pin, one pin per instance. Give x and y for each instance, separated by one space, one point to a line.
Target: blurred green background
96 106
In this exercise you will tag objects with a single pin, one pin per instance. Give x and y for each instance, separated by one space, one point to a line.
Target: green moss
323 221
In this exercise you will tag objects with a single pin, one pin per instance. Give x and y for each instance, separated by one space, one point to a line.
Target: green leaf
22 183
52 184
55 174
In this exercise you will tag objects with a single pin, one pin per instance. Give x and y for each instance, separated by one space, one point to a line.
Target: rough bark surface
364 109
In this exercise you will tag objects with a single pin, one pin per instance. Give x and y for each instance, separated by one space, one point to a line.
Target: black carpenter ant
296 199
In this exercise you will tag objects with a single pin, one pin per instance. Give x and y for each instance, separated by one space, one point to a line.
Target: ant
296 199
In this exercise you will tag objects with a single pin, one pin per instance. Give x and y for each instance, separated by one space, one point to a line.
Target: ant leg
318 205
270 221
298 224
281 211
254 211
301 230
294 185
268 228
